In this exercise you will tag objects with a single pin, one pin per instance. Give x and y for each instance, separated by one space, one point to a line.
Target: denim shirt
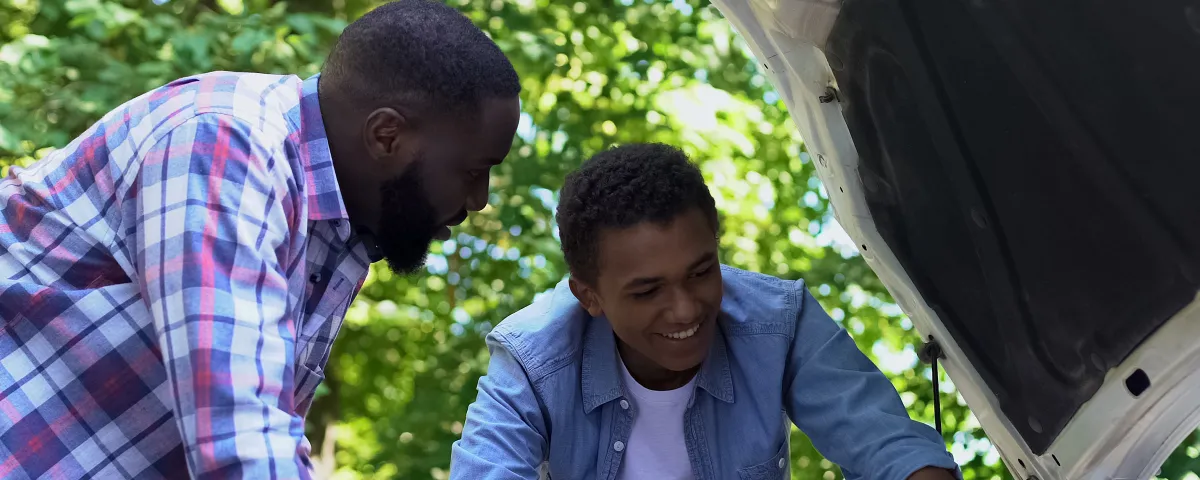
553 396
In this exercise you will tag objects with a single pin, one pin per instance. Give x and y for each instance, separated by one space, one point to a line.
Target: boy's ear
587 297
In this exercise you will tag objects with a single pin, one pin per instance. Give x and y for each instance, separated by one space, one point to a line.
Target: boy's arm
849 409
505 433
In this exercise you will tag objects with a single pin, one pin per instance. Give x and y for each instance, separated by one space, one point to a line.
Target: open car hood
1022 175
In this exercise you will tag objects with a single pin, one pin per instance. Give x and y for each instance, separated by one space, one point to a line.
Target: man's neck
341 137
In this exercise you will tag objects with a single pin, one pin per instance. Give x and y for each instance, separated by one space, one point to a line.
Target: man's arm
210 230
848 407
505 434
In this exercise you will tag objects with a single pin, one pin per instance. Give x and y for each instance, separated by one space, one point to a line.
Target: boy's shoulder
547 333
759 303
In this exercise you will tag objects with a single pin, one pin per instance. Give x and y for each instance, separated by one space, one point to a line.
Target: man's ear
586 296
388 134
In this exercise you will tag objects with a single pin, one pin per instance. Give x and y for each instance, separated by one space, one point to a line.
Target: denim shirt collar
601 375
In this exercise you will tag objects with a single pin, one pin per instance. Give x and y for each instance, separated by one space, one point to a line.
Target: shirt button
619 446
315 278
782 462
624 405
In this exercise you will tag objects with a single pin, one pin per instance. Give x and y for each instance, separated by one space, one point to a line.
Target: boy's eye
645 293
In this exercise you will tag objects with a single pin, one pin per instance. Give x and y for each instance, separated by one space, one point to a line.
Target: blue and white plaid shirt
171 283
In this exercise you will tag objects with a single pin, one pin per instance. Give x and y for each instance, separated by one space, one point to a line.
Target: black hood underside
1035 166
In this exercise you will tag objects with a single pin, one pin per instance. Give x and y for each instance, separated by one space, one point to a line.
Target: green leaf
8 142
249 40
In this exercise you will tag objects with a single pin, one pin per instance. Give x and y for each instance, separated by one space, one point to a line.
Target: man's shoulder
261 101
546 335
232 91
756 303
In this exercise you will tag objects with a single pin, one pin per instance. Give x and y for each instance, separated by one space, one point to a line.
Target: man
172 280
654 361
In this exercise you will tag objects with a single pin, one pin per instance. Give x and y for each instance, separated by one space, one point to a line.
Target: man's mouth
443 232
460 218
683 334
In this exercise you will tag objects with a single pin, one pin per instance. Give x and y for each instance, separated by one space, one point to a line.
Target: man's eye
703 272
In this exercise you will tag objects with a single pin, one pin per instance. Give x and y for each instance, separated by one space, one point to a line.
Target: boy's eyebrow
642 281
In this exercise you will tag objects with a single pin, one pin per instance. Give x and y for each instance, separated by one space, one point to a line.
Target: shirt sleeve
211 234
849 409
505 434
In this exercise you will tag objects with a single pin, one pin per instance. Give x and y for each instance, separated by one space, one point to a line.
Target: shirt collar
324 195
601 376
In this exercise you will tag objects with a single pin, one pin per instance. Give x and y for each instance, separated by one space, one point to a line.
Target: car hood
1022 177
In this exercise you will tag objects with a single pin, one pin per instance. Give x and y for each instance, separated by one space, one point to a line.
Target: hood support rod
929 353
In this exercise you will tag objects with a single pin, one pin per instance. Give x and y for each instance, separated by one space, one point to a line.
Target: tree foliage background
595 73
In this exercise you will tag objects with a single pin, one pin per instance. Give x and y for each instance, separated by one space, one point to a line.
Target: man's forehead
494 113
489 131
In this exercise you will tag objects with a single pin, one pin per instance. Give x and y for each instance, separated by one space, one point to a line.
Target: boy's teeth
684 334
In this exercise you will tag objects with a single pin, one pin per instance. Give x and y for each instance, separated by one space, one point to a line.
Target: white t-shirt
656 449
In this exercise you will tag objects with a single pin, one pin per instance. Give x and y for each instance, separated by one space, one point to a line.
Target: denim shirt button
782 462
624 404
619 446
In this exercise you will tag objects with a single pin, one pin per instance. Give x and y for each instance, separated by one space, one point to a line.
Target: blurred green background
594 73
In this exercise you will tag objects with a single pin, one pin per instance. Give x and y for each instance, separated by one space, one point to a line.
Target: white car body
1112 435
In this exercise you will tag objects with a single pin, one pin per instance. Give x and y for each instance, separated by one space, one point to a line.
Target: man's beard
407 223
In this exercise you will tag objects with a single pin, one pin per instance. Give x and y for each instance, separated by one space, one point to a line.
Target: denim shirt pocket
774 469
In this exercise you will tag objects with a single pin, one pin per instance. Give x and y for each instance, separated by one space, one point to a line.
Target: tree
594 73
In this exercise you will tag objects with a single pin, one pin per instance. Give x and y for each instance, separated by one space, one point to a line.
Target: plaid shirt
170 285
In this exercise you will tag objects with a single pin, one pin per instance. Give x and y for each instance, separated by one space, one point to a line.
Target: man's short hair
623 187
422 54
